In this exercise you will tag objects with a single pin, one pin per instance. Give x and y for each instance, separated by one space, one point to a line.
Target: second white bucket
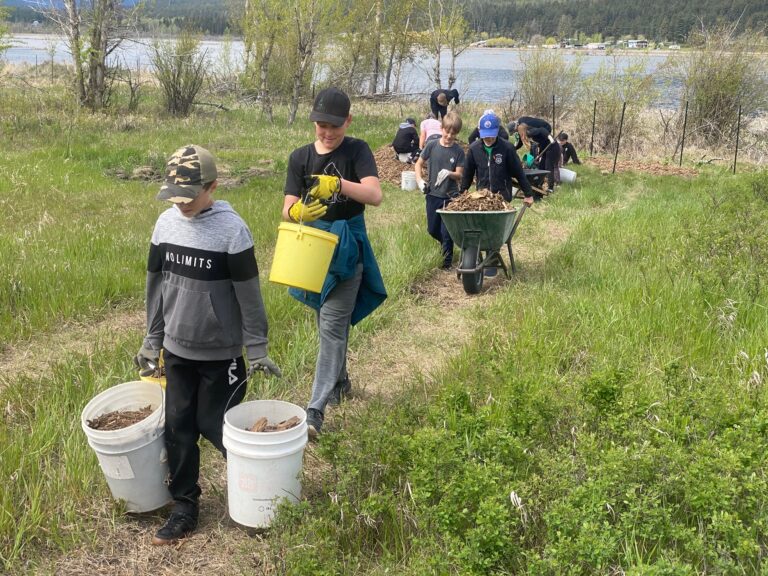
133 459
408 180
262 467
567 176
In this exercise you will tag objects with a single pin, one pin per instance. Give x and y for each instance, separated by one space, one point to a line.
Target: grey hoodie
203 295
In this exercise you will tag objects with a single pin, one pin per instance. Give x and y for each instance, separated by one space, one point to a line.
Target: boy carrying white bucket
203 306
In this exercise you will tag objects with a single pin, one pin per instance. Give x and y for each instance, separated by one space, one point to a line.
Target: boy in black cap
406 142
328 185
203 306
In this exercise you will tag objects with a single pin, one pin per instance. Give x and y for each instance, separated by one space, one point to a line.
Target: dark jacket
438 110
496 171
406 140
538 130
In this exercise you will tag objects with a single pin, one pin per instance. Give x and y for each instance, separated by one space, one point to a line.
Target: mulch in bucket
119 419
263 425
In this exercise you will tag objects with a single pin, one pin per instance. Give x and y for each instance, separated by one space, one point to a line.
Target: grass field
603 413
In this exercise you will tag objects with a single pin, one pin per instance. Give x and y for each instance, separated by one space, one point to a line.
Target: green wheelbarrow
480 235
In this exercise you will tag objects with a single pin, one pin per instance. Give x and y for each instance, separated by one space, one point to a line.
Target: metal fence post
592 141
685 124
738 128
553 114
618 140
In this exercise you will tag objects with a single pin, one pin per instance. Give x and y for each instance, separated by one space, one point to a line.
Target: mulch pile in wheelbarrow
119 419
478 201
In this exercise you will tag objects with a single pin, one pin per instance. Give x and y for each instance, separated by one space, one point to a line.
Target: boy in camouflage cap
203 306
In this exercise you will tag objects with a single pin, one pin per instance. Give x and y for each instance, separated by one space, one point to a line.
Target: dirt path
438 312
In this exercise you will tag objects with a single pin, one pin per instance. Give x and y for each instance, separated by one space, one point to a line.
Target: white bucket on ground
408 180
133 459
262 467
567 176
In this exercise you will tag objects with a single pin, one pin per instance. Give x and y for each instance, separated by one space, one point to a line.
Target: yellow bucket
302 256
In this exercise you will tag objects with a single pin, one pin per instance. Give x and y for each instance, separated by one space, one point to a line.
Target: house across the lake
637 43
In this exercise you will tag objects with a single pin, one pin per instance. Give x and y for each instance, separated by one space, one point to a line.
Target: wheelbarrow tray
492 229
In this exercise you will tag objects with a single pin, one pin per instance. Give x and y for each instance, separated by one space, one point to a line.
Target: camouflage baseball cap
188 170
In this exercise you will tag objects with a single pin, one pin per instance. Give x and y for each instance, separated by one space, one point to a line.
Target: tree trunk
376 50
266 102
72 30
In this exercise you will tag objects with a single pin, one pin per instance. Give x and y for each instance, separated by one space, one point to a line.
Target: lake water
483 74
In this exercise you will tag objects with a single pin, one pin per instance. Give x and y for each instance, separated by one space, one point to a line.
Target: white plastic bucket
133 459
567 176
262 467
408 180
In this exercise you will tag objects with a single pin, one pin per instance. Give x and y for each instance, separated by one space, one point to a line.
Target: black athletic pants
197 393
436 227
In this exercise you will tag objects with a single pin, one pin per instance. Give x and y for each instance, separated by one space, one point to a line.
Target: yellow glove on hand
322 186
301 212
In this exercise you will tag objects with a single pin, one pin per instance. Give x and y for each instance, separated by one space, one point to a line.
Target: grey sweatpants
333 322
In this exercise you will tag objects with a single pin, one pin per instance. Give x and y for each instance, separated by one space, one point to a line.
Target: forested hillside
669 20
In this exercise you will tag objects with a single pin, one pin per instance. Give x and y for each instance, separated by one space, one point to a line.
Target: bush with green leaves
180 69
611 87
547 73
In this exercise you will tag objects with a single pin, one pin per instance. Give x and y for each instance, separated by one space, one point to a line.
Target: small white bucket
408 180
404 157
262 467
133 459
567 176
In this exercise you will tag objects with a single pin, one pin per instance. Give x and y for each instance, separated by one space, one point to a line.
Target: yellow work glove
301 212
322 187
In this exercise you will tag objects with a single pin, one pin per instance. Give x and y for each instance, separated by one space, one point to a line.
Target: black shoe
446 265
179 525
340 392
314 422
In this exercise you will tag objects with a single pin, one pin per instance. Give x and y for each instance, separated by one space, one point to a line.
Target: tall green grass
609 417
77 239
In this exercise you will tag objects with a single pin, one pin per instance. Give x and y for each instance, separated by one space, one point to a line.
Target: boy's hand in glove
441 176
301 212
322 186
147 360
265 365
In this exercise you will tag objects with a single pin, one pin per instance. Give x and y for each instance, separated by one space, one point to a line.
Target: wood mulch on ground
655 168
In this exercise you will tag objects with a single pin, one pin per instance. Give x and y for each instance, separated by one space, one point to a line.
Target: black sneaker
179 525
340 392
314 422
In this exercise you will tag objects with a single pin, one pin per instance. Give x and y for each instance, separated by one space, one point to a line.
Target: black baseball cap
332 106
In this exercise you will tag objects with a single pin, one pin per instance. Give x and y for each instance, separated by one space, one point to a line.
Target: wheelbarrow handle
517 220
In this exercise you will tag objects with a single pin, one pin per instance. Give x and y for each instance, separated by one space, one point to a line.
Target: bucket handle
248 376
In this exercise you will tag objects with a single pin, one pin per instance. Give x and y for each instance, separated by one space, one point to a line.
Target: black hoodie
495 171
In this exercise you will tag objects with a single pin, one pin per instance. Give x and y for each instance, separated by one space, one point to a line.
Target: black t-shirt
352 160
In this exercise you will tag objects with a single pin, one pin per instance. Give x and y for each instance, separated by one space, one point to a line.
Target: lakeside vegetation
608 416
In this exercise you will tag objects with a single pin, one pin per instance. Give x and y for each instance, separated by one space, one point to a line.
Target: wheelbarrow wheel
470 259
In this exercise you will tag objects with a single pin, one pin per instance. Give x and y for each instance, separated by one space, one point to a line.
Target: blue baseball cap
489 126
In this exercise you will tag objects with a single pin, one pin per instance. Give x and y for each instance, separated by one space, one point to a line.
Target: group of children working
491 159
204 304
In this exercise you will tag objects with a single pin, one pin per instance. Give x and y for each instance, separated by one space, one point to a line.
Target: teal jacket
353 243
